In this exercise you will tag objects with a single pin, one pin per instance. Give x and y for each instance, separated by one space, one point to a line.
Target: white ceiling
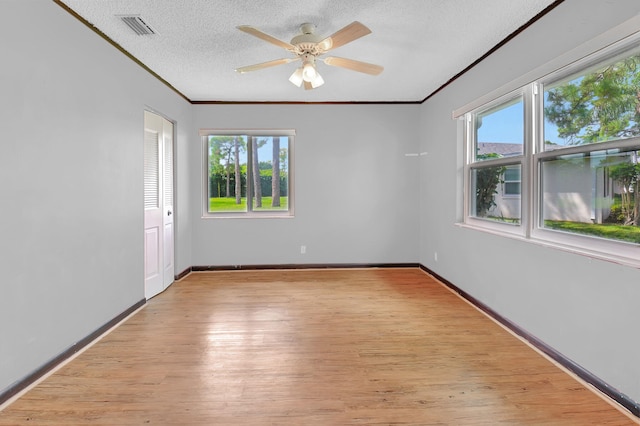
421 44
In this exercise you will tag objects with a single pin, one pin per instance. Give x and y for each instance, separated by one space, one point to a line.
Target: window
558 159
496 154
511 185
248 173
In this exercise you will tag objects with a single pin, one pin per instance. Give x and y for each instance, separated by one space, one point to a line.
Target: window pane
592 193
500 131
595 106
227 173
270 173
489 201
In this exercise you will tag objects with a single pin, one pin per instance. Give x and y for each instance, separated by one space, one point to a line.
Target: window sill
247 216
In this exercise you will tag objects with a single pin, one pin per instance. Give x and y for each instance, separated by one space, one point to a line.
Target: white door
158 204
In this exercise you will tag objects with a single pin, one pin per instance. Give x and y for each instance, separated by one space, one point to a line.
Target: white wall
356 195
71 182
585 308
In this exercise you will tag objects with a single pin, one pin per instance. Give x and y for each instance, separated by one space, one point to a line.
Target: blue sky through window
507 126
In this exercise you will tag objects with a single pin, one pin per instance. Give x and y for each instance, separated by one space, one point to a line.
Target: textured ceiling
420 43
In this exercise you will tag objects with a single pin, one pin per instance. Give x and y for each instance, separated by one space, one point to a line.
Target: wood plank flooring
310 347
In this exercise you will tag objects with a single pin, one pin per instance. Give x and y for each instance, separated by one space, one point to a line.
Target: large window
558 159
248 173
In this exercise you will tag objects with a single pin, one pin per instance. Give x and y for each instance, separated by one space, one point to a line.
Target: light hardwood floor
310 347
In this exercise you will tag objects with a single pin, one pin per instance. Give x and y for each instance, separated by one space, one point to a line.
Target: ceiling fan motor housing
307 41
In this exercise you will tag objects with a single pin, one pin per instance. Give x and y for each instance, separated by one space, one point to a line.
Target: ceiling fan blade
266 37
351 32
354 65
263 65
307 85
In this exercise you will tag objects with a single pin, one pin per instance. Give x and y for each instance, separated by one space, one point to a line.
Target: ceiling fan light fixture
318 81
296 77
309 72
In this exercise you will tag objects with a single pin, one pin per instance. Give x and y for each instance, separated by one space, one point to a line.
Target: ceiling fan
308 46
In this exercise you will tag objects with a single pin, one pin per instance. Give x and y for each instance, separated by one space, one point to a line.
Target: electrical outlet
303 249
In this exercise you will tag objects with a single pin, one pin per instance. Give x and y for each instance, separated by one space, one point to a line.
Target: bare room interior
320 212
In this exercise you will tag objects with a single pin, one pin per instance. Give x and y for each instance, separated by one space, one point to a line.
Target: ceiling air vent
137 24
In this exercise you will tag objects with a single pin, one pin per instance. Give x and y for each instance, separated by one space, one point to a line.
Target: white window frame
470 163
249 213
533 156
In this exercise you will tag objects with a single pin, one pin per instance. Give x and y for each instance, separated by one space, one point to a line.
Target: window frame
470 164
600 247
531 228
249 213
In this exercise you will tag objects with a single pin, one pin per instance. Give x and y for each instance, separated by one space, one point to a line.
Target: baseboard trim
632 406
73 349
183 274
302 266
